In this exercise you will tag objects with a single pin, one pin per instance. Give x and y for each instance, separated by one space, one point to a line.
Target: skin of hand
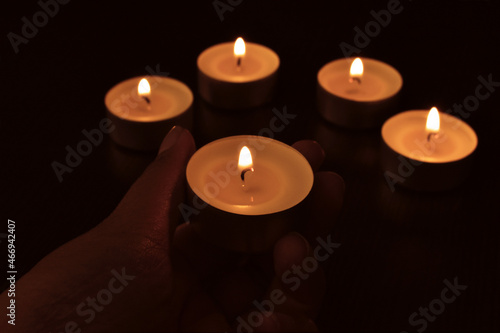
140 271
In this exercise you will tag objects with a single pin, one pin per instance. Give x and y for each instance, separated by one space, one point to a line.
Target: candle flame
143 88
356 68
433 122
245 160
239 47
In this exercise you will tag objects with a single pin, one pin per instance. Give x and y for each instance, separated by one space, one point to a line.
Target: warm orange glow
245 160
144 89
433 123
239 47
356 68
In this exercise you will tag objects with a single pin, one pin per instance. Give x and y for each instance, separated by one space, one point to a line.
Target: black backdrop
397 248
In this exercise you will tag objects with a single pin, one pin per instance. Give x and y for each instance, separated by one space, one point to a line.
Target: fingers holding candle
298 276
201 314
324 206
326 197
204 258
293 297
160 189
304 290
253 218
298 302
312 151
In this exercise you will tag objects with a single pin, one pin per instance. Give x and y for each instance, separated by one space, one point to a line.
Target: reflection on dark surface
211 123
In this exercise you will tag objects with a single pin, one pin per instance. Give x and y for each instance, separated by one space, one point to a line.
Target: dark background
397 248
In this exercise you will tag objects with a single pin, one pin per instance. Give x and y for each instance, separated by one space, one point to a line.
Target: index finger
324 206
326 197
312 151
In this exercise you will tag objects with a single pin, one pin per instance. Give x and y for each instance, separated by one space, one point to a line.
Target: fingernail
171 139
271 323
323 154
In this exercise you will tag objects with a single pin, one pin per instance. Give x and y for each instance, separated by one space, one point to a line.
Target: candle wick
238 64
432 135
244 172
146 99
355 79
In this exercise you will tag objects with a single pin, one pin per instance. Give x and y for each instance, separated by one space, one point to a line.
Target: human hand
138 271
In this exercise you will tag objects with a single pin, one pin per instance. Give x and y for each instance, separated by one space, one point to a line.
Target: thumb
155 197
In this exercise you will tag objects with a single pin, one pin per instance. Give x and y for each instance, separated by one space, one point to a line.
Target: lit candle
237 75
358 93
143 110
251 186
427 150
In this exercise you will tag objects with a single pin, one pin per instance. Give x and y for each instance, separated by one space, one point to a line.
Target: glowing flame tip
433 122
143 88
239 47
356 68
245 160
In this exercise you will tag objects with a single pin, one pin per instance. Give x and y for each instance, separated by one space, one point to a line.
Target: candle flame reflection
143 88
433 122
245 160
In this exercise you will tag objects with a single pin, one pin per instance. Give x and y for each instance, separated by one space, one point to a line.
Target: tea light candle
427 150
251 187
237 75
144 110
359 93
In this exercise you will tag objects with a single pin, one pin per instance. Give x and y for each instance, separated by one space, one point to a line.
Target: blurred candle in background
357 93
145 109
237 75
427 150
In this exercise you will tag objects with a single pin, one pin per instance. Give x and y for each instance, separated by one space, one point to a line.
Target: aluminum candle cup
144 112
231 81
422 159
360 100
246 191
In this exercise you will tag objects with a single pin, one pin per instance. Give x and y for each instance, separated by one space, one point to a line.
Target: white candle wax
168 99
261 187
220 63
282 176
406 134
